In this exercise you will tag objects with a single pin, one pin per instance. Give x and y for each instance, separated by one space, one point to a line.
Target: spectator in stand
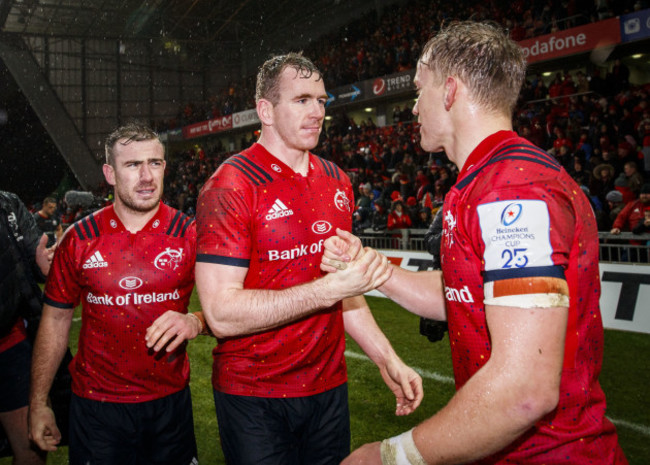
629 217
379 216
620 184
365 196
626 153
423 219
581 176
643 226
412 208
602 181
446 179
398 218
614 205
633 177
361 220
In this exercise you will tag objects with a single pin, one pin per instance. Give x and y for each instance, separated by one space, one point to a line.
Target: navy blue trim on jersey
523 152
251 170
93 223
529 149
221 260
79 231
172 223
54 303
187 225
330 168
178 224
87 228
554 271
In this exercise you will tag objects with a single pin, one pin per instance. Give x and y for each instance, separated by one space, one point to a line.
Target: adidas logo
95 261
278 210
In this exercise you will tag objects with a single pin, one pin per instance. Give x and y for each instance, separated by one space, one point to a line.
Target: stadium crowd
594 122
377 45
599 134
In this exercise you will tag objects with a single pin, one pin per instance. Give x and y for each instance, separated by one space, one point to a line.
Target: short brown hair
481 55
268 76
130 132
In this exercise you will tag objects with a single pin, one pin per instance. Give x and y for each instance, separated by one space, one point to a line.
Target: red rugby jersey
16 334
256 212
513 213
124 282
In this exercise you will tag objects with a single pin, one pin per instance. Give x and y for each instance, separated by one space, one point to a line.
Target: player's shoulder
240 170
177 223
516 164
87 228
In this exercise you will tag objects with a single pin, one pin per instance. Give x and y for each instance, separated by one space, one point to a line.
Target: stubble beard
130 203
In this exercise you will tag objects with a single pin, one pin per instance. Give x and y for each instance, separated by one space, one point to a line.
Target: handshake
352 269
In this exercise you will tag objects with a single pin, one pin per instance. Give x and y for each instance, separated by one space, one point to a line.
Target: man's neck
297 160
132 220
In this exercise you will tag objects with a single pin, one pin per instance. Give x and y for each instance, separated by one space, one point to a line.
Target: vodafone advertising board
571 41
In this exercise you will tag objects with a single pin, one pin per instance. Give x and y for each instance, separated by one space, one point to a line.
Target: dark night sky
30 164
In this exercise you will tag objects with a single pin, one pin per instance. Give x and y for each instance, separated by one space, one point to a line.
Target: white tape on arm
401 450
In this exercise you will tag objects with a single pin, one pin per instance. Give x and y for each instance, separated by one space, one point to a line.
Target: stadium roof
198 25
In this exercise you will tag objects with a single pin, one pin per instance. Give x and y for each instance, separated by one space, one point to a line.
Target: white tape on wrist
401 450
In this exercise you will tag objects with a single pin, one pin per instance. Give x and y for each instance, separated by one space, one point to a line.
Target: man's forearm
362 327
232 310
419 292
245 311
49 349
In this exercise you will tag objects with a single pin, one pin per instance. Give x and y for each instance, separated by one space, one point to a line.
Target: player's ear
451 86
265 111
109 174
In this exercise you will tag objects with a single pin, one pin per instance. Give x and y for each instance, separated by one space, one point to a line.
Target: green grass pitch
625 379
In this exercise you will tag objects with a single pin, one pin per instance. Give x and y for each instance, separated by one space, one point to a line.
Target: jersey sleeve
223 219
526 237
62 288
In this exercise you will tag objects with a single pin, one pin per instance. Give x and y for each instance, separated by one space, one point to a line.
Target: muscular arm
49 348
405 383
231 310
508 395
504 399
420 292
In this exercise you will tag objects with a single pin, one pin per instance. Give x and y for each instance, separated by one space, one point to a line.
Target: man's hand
368 454
361 275
405 383
171 329
339 250
44 255
42 428
615 231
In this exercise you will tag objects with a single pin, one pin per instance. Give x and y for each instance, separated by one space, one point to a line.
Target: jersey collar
114 224
277 166
485 149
